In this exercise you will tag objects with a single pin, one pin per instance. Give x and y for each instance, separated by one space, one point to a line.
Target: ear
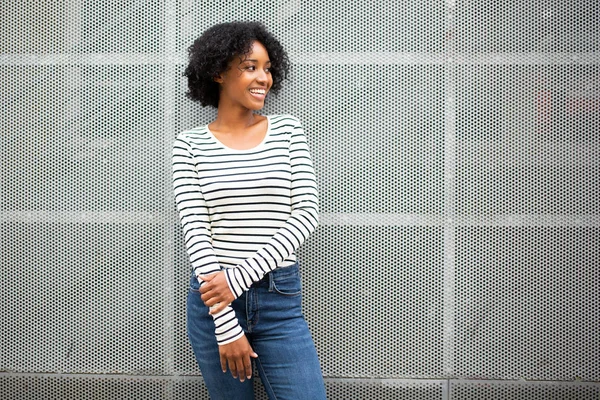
218 78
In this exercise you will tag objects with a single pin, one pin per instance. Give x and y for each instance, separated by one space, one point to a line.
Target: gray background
457 150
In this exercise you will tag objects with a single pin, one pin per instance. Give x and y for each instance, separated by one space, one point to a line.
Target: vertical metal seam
169 82
449 193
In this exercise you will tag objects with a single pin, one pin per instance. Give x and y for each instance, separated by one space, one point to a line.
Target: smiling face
247 81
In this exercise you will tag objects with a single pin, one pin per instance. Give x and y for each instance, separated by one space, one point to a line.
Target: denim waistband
266 279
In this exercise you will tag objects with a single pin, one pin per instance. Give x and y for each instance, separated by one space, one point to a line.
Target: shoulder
283 120
196 138
193 134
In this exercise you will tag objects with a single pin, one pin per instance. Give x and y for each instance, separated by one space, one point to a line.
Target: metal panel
499 390
555 26
380 290
323 26
82 138
76 387
528 139
75 300
386 389
527 303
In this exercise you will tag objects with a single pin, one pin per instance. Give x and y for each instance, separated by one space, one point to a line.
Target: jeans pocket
194 284
288 284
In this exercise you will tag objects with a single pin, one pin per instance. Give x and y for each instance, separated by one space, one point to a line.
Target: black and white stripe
244 211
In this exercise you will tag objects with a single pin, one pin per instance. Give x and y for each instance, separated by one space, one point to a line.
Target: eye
251 68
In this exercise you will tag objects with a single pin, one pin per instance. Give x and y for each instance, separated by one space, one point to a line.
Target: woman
247 199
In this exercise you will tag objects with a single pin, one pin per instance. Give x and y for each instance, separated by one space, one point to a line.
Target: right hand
237 355
215 292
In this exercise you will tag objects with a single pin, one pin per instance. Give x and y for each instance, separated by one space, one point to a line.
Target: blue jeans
270 313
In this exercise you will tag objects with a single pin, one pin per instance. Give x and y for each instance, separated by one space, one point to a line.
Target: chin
257 107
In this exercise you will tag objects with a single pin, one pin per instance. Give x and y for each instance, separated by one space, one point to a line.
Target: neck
234 119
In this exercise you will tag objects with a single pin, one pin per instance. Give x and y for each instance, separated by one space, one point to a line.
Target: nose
262 76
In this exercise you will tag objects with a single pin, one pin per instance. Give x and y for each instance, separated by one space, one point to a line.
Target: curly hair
211 53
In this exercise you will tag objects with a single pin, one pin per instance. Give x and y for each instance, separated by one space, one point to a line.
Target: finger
253 355
208 277
217 308
248 367
206 287
240 369
211 298
223 364
232 368
206 297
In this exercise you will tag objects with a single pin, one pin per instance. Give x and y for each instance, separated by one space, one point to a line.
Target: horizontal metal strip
514 151
387 382
490 383
380 219
327 219
84 217
526 58
506 220
531 220
369 58
383 58
94 377
89 59
380 382
366 381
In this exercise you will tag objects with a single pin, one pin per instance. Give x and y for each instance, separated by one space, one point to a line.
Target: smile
260 92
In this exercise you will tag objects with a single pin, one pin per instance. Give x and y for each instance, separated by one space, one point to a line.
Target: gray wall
457 150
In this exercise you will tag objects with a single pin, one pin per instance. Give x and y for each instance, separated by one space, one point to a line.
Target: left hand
237 356
215 292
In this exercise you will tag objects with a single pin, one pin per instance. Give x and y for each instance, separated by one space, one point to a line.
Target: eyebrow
253 60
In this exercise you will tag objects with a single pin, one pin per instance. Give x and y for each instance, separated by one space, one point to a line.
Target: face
247 81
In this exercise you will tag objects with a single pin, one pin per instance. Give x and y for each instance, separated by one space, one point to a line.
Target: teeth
257 91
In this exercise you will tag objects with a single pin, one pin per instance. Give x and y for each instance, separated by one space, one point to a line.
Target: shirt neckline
258 146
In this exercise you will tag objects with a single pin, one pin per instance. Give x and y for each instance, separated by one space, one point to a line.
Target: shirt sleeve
303 220
194 217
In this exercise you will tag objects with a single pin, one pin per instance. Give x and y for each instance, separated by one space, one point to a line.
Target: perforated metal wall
457 150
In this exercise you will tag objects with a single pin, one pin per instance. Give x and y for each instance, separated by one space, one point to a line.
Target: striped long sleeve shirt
245 212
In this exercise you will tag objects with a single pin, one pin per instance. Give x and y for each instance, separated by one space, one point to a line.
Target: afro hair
212 52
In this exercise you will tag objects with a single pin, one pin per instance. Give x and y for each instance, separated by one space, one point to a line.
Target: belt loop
271 283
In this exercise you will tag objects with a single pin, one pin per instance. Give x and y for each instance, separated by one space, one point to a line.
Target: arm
193 214
302 222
